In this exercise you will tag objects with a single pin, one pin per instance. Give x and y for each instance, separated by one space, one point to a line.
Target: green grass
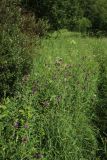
60 103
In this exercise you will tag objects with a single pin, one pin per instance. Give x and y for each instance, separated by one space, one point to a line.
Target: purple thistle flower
58 99
34 90
16 125
25 78
38 156
45 104
35 87
24 139
26 126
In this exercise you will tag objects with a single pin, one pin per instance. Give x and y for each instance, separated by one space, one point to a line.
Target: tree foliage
67 13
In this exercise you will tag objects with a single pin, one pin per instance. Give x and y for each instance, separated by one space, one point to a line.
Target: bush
15 60
84 25
34 27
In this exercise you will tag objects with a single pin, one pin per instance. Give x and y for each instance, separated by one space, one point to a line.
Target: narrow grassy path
70 65
68 69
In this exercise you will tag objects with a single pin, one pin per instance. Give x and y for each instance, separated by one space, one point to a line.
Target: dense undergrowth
14 55
59 113
16 46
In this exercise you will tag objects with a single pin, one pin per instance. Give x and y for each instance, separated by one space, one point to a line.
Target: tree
66 13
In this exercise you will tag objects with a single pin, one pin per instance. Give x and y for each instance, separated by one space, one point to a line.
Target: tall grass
53 118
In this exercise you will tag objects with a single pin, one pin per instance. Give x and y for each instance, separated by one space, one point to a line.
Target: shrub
15 60
32 26
84 25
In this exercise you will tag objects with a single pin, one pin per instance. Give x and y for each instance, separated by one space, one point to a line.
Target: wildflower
69 66
58 61
45 104
73 42
58 99
16 125
25 78
95 95
24 139
38 156
65 79
26 126
34 90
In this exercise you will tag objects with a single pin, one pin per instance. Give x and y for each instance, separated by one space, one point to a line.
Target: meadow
60 112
